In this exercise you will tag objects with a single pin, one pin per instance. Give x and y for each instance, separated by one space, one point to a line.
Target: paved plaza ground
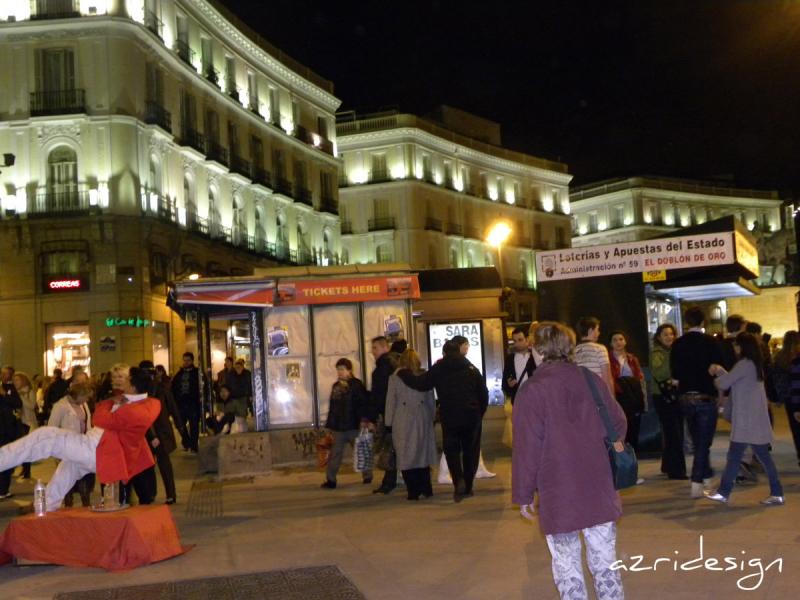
394 549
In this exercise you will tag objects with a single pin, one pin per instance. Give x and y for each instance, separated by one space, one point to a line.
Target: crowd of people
555 379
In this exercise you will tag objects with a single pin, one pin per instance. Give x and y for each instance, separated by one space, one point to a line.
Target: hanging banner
685 252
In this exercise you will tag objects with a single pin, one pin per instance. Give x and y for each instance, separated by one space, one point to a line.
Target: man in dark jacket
463 399
519 364
187 389
691 356
380 386
54 392
161 435
240 383
9 424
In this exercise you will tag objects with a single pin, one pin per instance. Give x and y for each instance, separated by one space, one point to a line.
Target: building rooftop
674 184
351 123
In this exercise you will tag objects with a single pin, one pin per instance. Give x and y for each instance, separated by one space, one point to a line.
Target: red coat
123 451
616 369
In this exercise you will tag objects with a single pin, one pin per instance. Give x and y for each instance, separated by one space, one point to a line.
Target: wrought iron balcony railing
155 114
58 102
381 223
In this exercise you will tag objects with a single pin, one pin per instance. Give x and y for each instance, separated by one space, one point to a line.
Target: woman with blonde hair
560 456
410 414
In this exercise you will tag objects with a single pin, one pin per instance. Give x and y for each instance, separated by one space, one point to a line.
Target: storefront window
68 347
290 378
161 353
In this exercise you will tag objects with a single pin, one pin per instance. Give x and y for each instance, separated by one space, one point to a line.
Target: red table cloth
79 537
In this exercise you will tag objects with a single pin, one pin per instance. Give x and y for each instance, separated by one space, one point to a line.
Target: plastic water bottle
39 500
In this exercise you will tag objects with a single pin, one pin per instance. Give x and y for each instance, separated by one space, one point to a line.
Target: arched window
383 253
433 256
470 259
303 246
281 237
189 203
261 237
489 260
327 247
62 180
345 256
453 258
523 269
213 212
239 222
155 175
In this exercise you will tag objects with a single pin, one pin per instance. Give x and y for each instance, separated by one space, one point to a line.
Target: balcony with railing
261 176
302 195
184 51
155 114
343 180
193 139
454 229
522 241
58 102
55 9
381 223
217 153
305 256
283 186
432 224
68 200
154 24
473 232
211 74
240 166
329 205
379 176
346 227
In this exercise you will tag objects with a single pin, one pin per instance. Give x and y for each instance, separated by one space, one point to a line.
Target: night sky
686 88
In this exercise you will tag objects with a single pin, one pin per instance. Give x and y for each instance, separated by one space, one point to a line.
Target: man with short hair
690 357
590 354
519 364
187 390
463 400
54 392
734 325
115 447
380 387
222 376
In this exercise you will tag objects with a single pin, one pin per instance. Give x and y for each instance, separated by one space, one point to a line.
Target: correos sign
439 333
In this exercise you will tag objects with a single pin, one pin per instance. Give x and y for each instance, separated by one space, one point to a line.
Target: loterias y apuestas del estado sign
690 251
127 322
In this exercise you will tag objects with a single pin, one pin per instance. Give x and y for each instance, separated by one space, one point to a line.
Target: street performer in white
115 447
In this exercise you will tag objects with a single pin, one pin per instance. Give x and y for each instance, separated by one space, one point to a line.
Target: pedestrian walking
690 358
664 392
463 399
384 367
349 408
10 426
186 389
240 383
410 414
747 411
786 377
560 456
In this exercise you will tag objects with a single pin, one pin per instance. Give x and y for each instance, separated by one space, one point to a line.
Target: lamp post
498 234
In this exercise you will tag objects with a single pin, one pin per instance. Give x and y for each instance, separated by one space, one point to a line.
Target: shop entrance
68 346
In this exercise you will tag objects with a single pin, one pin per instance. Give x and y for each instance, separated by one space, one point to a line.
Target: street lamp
497 236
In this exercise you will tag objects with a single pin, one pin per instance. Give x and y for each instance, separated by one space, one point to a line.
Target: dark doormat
308 583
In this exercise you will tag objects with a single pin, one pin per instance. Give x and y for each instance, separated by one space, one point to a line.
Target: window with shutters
57 70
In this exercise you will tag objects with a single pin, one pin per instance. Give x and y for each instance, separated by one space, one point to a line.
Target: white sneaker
639 481
774 501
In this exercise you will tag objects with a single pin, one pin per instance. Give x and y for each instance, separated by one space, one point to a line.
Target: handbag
324 445
624 466
385 456
364 457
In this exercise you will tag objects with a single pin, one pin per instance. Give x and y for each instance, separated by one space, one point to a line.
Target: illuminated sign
439 333
64 284
128 322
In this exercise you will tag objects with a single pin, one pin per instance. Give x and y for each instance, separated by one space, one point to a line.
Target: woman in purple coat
559 453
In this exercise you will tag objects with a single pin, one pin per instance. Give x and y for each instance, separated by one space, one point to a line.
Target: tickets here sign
691 251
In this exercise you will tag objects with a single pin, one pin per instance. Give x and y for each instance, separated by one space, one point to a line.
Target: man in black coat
380 386
463 399
9 424
519 364
187 391
690 357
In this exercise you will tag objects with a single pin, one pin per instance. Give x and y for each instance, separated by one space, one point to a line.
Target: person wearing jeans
348 409
749 416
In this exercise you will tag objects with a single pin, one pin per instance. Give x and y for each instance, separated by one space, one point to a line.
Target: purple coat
559 450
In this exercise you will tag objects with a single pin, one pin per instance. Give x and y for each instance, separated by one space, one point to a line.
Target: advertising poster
393 328
278 341
439 333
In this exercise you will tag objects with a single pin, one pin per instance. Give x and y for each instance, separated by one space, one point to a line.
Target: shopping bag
363 455
324 445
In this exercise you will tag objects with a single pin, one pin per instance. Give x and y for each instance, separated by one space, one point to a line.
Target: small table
79 537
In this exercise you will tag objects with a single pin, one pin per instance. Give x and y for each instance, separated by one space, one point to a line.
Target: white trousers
76 451
601 552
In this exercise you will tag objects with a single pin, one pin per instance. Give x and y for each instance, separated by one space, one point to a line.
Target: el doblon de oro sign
685 252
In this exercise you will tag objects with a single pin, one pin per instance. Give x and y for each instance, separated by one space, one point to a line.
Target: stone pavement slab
480 549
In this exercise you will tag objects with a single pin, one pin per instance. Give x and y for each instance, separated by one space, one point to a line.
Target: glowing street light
497 236
194 277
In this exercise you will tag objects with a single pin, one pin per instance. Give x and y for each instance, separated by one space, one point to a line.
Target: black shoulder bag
624 466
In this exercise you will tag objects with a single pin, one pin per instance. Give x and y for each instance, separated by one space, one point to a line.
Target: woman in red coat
560 455
628 385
